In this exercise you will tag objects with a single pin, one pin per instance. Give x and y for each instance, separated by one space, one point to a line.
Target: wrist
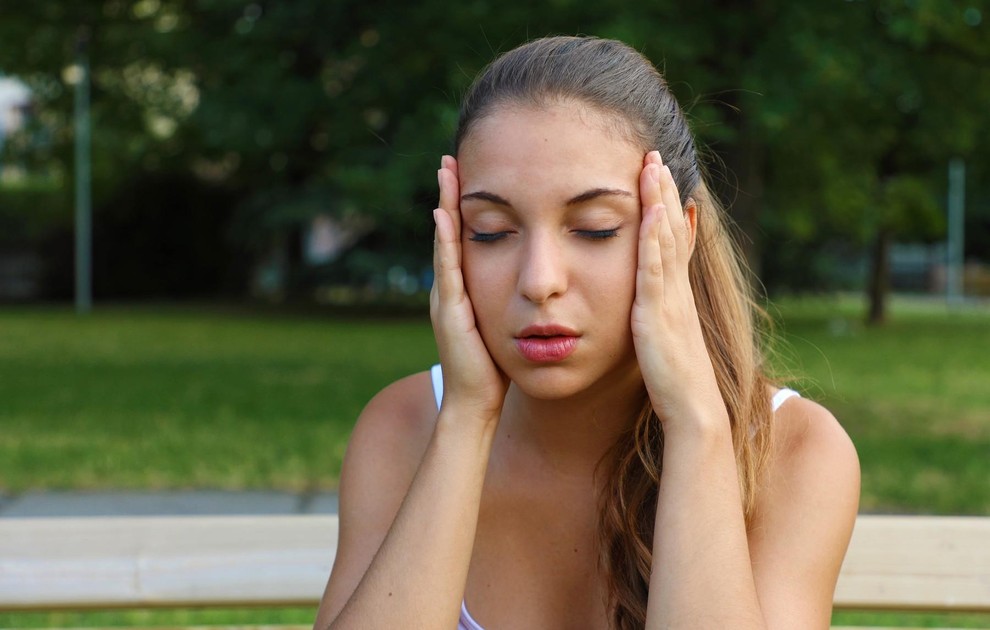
467 421
695 419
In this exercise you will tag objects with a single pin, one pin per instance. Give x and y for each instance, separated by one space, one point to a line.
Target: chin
551 382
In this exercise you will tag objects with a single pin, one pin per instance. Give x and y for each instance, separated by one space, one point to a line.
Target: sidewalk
166 503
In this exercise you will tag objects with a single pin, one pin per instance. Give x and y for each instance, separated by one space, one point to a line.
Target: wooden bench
911 563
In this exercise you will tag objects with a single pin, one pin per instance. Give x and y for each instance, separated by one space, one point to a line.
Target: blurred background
215 228
284 151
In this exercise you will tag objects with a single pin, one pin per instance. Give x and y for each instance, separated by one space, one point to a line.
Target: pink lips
546 343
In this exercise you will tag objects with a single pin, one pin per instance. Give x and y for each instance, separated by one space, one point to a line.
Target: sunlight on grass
160 618
912 395
910 620
199 398
138 399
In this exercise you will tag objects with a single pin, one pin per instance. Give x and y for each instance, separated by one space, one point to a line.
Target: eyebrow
588 195
594 193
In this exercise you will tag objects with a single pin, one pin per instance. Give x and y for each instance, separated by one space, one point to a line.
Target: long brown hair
620 82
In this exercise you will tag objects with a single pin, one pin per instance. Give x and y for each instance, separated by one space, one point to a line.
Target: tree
891 91
831 119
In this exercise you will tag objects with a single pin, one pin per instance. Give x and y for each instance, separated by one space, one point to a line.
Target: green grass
143 398
159 618
911 620
913 394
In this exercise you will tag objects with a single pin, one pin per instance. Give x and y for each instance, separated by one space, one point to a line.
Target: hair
620 83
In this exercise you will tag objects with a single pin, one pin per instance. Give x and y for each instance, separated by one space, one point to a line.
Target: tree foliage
832 120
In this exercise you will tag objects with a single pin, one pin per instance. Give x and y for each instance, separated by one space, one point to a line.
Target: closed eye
487 237
598 235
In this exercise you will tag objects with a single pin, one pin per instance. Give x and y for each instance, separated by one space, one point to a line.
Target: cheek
472 269
614 276
616 292
485 281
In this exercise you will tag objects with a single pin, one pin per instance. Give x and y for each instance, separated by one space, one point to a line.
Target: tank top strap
466 621
436 375
783 394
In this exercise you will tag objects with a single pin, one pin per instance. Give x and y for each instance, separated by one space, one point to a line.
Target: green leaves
835 118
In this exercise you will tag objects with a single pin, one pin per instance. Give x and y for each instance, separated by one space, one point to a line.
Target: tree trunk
878 286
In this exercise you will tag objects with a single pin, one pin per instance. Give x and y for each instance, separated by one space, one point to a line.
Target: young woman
600 446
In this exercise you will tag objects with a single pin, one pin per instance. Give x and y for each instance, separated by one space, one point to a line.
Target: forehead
561 146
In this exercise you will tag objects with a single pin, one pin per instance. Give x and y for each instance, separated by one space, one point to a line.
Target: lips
546 343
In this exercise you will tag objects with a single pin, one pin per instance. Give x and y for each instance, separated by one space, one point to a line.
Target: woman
594 329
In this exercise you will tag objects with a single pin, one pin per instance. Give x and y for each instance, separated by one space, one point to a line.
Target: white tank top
467 622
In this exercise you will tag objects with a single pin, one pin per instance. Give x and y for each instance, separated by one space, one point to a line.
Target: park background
261 187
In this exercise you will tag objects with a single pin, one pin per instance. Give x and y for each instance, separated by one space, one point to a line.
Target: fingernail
434 216
440 179
655 173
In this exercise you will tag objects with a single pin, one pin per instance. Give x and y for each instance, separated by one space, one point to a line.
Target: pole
84 225
954 251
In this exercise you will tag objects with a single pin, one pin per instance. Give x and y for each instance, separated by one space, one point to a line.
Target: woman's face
551 214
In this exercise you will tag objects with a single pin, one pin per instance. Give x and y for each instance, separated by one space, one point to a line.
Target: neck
568 437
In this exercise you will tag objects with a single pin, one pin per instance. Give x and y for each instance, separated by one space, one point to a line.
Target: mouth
546 331
546 343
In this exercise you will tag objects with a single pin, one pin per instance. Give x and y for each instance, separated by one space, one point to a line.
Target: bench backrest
894 562
54 563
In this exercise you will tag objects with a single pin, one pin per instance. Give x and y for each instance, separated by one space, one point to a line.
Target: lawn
207 397
171 397
189 398
914 395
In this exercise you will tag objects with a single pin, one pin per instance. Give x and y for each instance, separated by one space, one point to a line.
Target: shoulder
389 440
397 423
384 451
809 441
805 514
813 464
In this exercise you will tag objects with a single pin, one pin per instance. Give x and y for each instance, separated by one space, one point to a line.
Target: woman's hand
666 330
471 380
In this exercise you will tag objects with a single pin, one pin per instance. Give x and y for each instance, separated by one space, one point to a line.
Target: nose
543 272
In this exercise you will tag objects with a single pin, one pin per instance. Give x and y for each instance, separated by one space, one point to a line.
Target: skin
493 499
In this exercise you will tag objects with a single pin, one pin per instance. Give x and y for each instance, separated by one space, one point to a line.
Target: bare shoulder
396 424
387 444
813 468
811 448
804 515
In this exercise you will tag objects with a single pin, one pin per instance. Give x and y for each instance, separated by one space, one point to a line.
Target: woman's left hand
666 330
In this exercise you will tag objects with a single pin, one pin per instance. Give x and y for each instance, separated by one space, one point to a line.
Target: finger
649 272
448 279
450 191
435 289
668 248
450 163
649 186
668 189
675 213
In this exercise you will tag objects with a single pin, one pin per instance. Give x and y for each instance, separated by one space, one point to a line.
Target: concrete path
171 503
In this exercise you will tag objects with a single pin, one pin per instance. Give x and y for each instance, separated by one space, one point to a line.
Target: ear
691 222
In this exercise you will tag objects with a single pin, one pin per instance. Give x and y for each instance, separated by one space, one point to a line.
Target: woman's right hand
472 382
